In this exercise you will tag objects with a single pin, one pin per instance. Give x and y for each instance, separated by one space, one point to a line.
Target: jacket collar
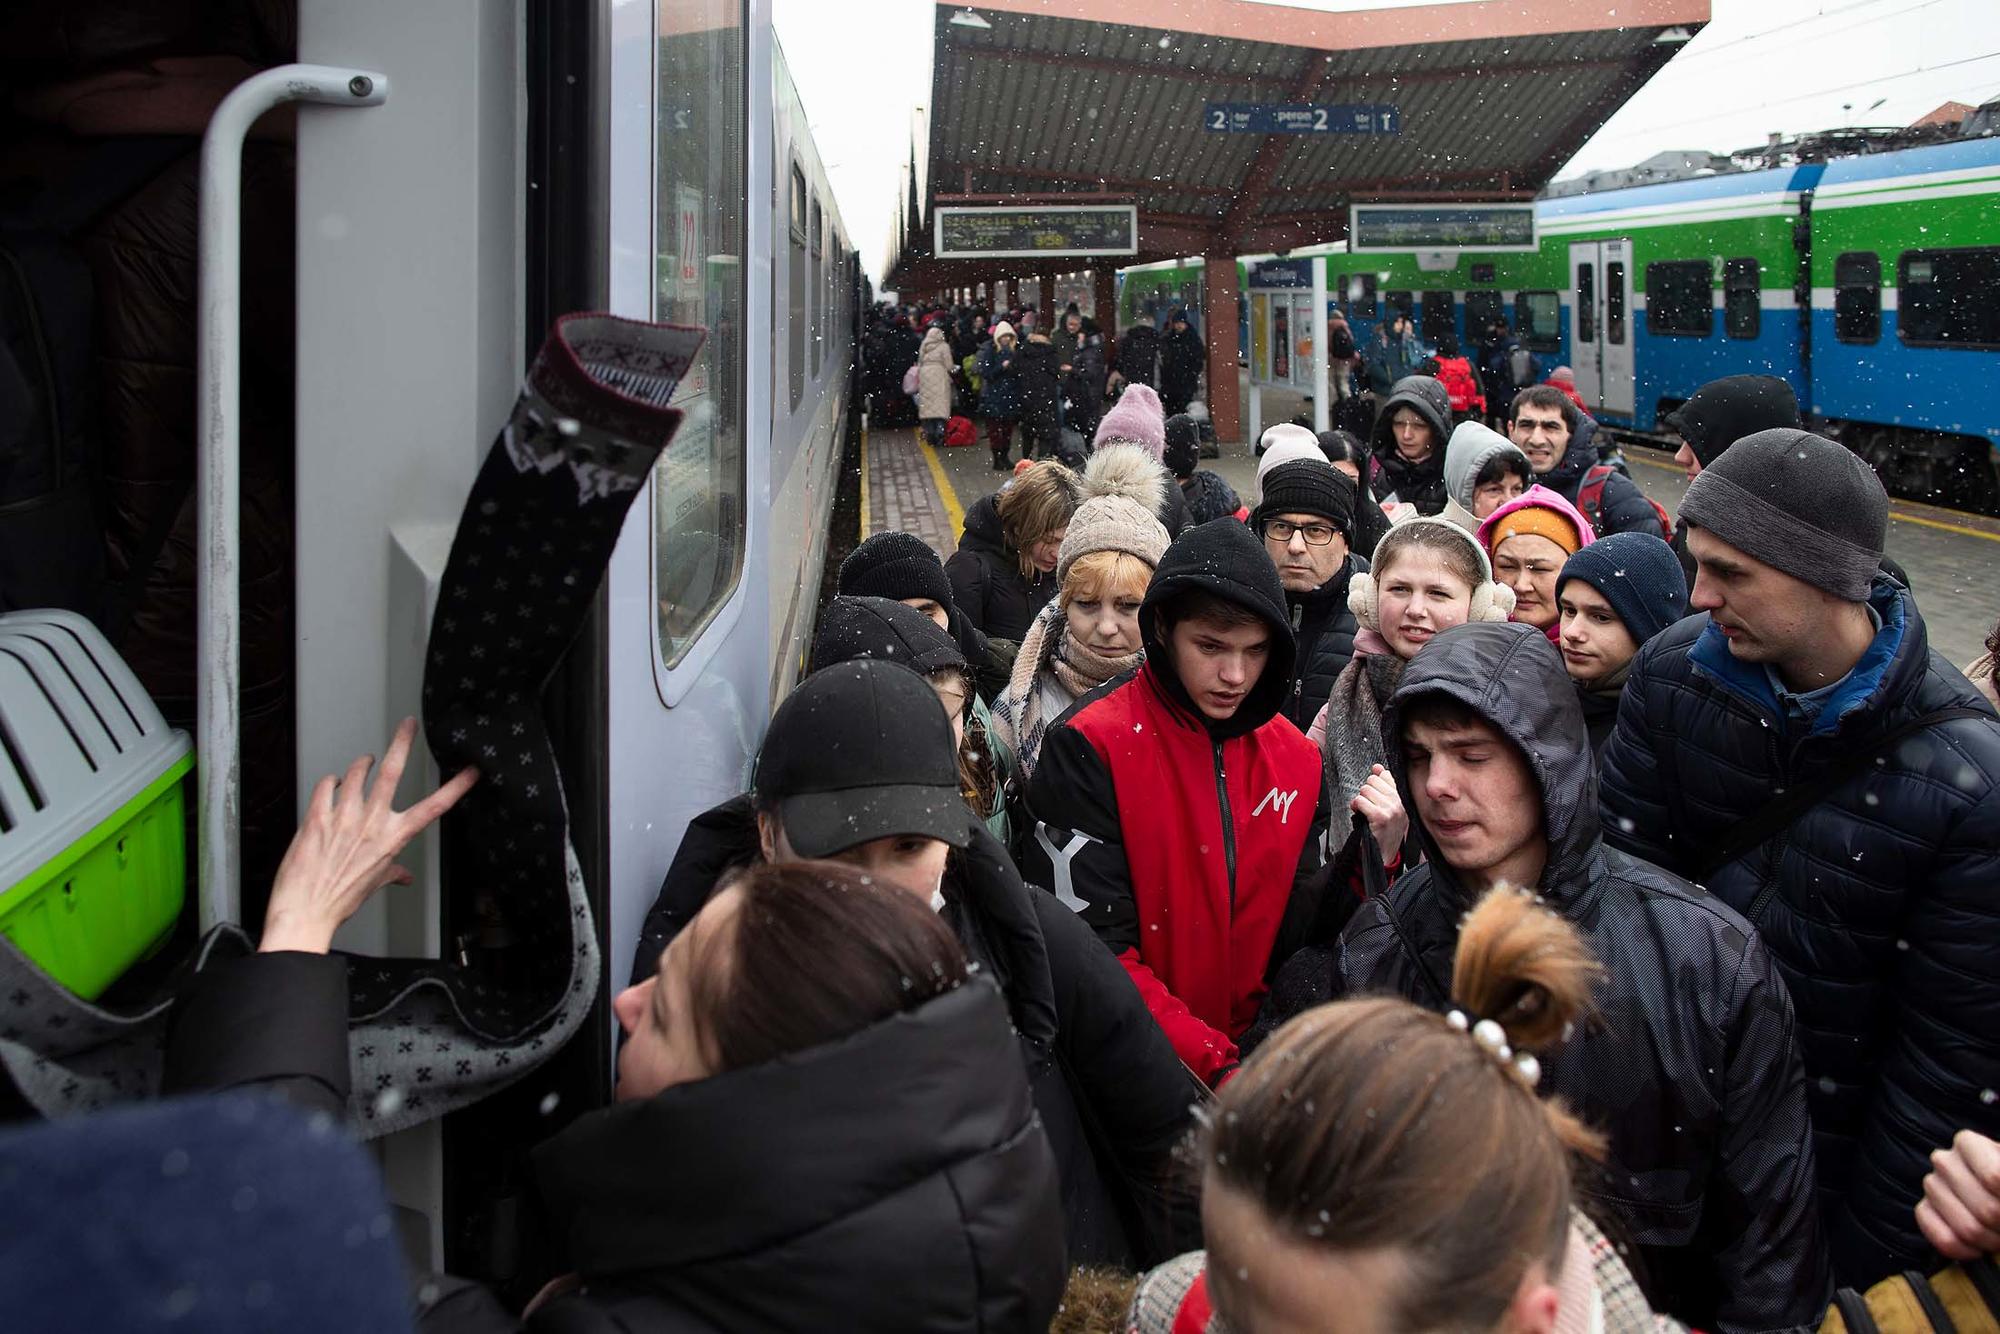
1887 672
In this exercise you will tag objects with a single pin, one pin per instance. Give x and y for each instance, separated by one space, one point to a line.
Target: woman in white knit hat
1090 633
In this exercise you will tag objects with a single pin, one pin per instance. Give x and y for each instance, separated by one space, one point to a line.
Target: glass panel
1945 298
795 292
1538 317
1437 313
817 320
1614 302
1857 297
1483 309
698 491
1402 302
1679 298
1586 303
1364 297
1741 315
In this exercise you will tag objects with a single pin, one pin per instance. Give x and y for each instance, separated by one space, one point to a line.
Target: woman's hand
1381 806
1960 1211
346 848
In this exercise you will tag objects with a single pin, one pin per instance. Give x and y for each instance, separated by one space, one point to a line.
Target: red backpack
1455 374
1590 499
958 432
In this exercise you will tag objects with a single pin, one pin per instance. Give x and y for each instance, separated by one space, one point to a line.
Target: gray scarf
1353 743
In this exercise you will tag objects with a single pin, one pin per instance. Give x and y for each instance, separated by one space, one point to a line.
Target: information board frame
1359 244
943 212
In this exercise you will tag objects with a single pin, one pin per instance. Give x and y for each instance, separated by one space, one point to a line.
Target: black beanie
1723 411
1183 453
895 566
882 628
1307 486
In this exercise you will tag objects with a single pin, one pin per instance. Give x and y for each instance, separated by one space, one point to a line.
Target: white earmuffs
1491 601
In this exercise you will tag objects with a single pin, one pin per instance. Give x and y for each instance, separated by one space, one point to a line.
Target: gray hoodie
1471 447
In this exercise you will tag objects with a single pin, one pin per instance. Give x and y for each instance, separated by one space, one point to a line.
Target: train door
1600 298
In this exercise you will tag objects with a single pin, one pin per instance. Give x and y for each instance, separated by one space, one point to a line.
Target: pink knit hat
1135 417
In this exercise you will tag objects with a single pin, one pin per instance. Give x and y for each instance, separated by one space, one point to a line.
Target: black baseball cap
859 751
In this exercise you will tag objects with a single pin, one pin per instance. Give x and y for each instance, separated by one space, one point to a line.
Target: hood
1512 676
1001 330
1432 401
1724 411
1224 558
1471 447
934 334
1537 496
982 526
754 1158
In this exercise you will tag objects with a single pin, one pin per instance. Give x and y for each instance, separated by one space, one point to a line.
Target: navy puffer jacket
1881 905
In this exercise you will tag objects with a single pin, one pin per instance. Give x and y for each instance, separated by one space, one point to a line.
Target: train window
1586 303
1538 319
1741 317
1857 296
816 332
1400 302
699 201
1944 298
1483 309
1679 298
1437 312
1362 294
1614 302
795 291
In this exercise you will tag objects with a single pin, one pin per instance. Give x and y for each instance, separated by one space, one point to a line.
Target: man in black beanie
903 568
1305 519
1802 752
1208 495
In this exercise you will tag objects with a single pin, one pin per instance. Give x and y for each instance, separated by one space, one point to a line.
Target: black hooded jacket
1688 1062
987 586
1115 1101
1881 904
1624 507
893 1180
1421 484
1325 629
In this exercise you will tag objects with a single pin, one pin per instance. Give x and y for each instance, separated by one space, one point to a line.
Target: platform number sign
1302 118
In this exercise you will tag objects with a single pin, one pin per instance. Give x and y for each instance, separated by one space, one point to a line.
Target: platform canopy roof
1032 100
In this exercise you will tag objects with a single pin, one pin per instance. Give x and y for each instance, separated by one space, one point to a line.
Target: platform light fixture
969 18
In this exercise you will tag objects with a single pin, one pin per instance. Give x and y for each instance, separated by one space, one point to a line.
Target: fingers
391 772
352 783
1966 1237
321 801
1968 1203
426 812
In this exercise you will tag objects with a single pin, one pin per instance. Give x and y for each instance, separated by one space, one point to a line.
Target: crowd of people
1405 893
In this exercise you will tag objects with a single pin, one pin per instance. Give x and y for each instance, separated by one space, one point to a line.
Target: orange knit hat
1541 522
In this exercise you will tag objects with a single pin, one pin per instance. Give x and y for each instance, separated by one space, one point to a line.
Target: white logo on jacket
1281 802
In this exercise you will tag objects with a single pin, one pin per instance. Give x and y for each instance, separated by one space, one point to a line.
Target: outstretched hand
1381 806
346 847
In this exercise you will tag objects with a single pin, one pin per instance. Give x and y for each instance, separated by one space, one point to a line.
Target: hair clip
1493 1038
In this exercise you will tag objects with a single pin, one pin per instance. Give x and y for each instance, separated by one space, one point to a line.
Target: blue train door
1600 301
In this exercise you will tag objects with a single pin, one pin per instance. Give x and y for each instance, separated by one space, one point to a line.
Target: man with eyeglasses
1304 518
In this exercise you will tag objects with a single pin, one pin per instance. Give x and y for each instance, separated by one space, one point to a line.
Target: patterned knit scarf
1082 669
1353 742
1018 717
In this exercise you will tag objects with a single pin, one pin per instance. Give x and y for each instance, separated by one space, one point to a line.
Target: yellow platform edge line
954 513
864 484
1895 514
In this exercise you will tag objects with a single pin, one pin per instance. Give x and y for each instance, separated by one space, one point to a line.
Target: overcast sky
863 68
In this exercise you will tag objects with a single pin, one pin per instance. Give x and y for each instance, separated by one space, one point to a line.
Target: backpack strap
1984 1274
1928 1302
1854 1312
1590 495
1779 815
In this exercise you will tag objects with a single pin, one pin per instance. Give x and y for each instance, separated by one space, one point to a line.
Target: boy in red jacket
1177 812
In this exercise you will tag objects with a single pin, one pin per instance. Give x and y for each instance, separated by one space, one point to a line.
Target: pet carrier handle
218 629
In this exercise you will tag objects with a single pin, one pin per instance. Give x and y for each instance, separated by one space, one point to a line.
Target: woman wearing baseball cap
858 767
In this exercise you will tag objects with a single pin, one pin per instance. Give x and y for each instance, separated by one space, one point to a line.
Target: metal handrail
218 632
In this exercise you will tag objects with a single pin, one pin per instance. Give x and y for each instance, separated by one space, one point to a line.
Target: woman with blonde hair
1090 634
1397 1165
1004 569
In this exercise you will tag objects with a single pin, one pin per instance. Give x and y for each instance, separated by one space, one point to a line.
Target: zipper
47 367
1298 676
1228 824
1779 841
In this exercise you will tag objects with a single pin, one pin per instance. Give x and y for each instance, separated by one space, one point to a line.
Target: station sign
1302 118
1035 230
1473 227
1281 273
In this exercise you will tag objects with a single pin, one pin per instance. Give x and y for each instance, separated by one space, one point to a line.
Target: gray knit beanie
1111 523
1800 503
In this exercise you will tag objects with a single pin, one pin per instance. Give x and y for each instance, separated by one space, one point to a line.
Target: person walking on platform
1181 359
857 768
1613 596
1391 357
1176 812
1410 434
1139 356
1340 357
1801 750
1004 569
1000 392
1687 1063
1041 400
934 365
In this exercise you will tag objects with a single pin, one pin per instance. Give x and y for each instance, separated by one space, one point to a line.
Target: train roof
1970 156
1726 189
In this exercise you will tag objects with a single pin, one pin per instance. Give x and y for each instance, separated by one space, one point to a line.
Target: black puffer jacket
1325 629
1688 1063
986 580
1114 1098
1421 484
1624 507
1208 496
1881 904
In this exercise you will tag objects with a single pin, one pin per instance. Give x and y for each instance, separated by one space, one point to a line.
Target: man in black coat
1881 900
1305 518
1181 359
1561 445
1688 1062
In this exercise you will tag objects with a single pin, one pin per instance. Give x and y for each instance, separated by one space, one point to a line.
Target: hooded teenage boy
1177 813
1687 1061
1611 597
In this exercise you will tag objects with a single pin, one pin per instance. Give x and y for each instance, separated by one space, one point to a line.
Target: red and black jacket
1191 847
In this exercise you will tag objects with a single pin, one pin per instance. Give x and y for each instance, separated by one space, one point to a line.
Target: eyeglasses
1316 534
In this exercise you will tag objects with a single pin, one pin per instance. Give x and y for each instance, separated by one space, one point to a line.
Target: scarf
1019 719
1353 743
